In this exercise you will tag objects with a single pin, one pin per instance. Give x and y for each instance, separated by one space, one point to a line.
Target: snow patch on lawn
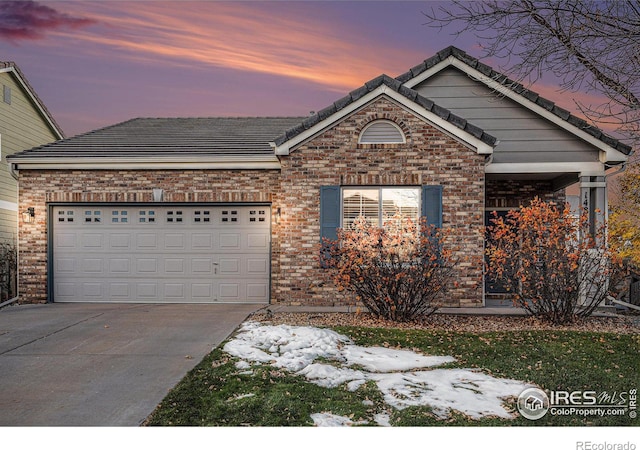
395 372
333 420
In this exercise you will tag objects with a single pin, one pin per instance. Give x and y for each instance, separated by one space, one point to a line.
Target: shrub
398 272
550 262
8 270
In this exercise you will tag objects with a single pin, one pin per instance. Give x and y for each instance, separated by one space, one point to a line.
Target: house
25 122
234 209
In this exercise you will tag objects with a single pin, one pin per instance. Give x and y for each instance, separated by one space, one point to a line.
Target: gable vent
6 94
382 132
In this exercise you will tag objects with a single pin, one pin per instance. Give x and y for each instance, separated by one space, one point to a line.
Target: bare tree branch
590 45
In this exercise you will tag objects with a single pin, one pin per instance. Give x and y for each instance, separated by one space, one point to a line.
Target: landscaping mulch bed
448 322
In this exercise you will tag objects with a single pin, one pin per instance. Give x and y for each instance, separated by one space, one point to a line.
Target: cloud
30 20
257 38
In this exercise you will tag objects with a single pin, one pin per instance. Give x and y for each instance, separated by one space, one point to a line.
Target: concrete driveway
100 364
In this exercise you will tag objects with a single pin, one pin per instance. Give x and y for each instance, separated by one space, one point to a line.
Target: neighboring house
234 209
24 123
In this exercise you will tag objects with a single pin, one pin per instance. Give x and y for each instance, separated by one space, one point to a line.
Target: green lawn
216 393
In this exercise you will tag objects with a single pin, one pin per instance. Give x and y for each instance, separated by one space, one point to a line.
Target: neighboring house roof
10 66
431 65
382 84
226 142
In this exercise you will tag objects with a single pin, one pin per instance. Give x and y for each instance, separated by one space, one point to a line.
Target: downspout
13 171
14 174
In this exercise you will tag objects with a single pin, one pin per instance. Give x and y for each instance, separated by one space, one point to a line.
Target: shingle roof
516 87
213 136
397 86
12 65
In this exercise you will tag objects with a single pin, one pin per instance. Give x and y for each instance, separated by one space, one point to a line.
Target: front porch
509 191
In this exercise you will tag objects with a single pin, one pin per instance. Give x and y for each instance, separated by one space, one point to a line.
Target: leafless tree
588 45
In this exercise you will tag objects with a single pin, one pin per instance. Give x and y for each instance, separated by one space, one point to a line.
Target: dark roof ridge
397 86
516 87
14 66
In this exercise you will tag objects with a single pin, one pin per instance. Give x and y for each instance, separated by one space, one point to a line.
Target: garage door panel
93 241
229 291
147 266
176 291
173 266
66 265
161 253
65 290
202 290
146 241
147 290
65 240
257 266
202 266
174 241
120 291
229 266
229 241
120 241
201 241
93 266
257 292
119 266
92 290
257 242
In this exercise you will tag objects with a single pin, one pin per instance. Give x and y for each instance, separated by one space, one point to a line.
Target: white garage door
170 254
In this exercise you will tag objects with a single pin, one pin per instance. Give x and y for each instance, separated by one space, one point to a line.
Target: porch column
593 198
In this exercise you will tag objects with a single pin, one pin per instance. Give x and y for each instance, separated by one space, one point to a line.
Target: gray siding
21 127
524 136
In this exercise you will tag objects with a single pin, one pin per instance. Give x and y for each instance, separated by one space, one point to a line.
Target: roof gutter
268 162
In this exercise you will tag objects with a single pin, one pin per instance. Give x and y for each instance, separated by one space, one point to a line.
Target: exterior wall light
278 214
29 216
158 195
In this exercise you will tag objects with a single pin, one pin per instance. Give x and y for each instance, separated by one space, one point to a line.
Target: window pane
404 201
360 202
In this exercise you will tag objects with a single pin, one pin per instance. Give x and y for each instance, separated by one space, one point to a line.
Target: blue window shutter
329 212
432 205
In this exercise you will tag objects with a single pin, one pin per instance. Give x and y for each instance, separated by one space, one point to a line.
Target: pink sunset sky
98 63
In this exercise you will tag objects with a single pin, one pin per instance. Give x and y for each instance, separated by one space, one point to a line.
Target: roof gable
452 56
392 88
12 68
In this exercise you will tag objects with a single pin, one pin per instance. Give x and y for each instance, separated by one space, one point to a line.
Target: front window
377 204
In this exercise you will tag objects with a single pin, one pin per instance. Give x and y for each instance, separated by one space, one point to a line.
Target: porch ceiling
559 180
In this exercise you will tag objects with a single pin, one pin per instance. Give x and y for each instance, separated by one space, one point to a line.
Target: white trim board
9 206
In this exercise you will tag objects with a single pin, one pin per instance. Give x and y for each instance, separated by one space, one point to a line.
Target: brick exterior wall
429 157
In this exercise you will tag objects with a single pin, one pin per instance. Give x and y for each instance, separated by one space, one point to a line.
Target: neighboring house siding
21 127
334 158
524 136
